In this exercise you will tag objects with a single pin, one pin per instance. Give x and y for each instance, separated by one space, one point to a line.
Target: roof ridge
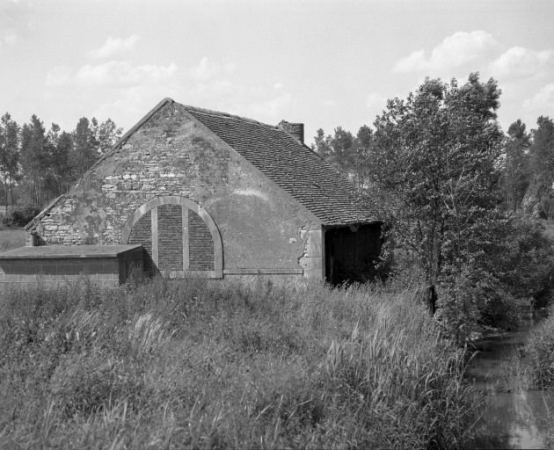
213 112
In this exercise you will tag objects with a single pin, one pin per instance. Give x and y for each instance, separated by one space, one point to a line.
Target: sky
325 63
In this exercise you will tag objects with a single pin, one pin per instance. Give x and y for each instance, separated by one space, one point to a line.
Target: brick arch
151 208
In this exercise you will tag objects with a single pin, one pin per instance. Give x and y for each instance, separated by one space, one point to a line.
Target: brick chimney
296 130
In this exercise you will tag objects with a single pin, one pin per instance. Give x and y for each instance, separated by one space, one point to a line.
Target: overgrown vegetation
37 165
535 362
453 188
174 364
20 216
532 368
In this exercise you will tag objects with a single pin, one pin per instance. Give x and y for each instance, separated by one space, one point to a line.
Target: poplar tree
34 158
85 148
540 195
516 170
9 154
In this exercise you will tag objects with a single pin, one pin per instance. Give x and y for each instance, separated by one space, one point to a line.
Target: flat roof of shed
68 251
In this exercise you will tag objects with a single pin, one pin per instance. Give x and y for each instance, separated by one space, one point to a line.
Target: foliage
37 165
21 216
84 153
538 355
539 199
347 153
436 156
525 262
106 134
452 186
189 364
9 154
34 158
514 269
516 169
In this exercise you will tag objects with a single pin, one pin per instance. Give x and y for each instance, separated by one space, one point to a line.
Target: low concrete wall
51 267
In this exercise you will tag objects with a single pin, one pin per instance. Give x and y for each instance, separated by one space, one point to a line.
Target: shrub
526 263
514 268
538 354
20 216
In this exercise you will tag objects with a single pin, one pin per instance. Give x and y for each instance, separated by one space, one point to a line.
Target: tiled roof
294 167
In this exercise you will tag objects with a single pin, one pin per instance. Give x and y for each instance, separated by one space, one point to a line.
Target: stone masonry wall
261 226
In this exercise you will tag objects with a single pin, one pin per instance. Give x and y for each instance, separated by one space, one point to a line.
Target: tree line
462 196
524 170
37 165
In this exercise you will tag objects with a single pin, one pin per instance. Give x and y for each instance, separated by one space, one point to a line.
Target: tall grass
532 367
173 364
535 361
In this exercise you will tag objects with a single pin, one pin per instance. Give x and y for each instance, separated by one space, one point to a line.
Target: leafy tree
363 147
338 150
322 144
37 165
106 134
9 153
85 149
346 152
60 147
436 156
34 158
540 197
516 165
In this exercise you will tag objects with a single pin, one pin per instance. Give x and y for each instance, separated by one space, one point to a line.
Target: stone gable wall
261 227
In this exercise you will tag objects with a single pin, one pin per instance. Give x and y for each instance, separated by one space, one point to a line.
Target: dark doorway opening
352 253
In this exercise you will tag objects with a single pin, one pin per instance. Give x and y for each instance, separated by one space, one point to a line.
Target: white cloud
460 49
521 62
375 101
270 108
114 46
208 69
59 76
133 102
542 103
111 73
10 38
125 91
213 85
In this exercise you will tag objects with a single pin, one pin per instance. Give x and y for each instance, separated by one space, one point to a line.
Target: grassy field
11 238
175 364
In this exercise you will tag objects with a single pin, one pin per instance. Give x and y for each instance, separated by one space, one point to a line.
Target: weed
188 363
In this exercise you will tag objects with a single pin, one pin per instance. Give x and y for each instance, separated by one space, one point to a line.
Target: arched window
178 235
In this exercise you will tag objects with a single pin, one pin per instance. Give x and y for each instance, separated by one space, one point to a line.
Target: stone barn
207 194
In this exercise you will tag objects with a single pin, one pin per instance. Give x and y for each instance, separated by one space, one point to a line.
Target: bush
20 216
526 264
538 354
514 268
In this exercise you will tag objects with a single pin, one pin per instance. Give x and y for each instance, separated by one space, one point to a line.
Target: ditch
513 418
